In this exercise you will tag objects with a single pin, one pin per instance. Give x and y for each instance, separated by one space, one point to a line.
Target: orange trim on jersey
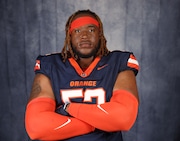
132 62
133 66
83 21
88 71
37 65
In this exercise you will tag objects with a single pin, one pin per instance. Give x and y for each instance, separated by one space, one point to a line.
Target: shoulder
50 57
118 52
45 63
119 55
125 60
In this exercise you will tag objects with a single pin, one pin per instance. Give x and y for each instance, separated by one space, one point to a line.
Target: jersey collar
88 71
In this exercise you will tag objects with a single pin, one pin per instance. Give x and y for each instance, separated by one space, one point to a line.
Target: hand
63 109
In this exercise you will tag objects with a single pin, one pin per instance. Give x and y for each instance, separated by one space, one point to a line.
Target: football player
86 92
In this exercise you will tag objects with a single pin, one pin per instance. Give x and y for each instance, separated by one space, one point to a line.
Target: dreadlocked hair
67 50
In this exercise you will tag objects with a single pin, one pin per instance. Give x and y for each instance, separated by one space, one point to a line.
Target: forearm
44 124
118 114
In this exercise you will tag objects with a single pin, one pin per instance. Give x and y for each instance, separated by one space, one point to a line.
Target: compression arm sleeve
118 114
44 124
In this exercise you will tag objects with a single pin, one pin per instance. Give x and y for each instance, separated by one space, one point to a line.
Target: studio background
149 28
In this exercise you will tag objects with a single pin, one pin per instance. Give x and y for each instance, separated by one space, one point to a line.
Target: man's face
85 40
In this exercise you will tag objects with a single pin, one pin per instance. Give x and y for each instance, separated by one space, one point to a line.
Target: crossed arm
41 120
119 114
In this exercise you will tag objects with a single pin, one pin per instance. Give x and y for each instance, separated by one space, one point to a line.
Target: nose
84 34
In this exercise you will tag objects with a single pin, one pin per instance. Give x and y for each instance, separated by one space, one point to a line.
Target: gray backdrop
149 28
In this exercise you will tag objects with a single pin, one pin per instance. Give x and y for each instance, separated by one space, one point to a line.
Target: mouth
85 44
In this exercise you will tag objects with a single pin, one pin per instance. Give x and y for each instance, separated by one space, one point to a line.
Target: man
84 93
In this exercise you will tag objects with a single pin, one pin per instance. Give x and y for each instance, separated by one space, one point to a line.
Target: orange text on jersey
82 83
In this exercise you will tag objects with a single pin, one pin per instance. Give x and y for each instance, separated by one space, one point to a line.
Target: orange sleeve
44 124
118 114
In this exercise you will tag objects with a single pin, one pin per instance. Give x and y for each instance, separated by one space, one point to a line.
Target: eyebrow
92 26
89 26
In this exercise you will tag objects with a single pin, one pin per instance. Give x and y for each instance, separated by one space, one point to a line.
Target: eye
91 29
77 31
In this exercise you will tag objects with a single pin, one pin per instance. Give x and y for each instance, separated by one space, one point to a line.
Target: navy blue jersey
71 84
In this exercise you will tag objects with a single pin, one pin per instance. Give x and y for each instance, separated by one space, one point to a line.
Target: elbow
33 125
32 135
124 121
127 123
36 115
127 120
31 130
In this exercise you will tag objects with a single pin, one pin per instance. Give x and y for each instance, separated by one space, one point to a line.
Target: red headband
83 21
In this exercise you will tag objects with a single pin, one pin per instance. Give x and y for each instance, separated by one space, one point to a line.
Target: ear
100 32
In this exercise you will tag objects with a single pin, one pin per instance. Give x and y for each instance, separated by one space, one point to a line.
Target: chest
71 86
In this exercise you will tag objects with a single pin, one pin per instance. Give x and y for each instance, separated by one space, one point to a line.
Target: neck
85 62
